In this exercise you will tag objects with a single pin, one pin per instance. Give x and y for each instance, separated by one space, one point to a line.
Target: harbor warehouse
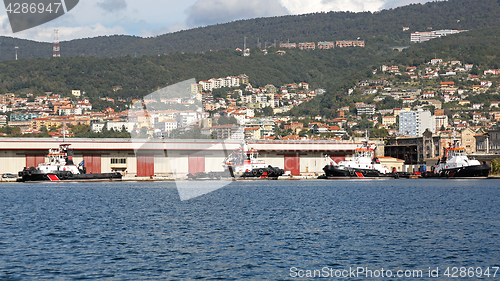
170 158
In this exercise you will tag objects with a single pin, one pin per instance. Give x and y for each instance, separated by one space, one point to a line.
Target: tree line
453 14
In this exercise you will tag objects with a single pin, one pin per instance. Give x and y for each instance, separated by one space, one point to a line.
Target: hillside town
439 99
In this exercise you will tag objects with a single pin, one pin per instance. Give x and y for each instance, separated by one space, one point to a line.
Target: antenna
16 51
57 48
245 52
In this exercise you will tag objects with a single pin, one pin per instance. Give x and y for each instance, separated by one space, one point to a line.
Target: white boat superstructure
245 161
242 163
59 160
60 166
456 163
456 158
364 159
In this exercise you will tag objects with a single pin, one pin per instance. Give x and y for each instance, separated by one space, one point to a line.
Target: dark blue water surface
251 230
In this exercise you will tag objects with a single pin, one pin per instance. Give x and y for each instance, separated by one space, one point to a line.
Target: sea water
251 230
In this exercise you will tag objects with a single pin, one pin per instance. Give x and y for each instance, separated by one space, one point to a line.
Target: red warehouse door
92 163
292 164
196 164
33 160
145 165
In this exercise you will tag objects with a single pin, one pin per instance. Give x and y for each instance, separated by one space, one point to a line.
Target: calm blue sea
251 230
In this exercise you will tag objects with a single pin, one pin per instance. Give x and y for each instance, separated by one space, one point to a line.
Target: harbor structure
170 158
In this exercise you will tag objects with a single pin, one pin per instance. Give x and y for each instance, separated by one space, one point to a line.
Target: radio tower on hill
57 48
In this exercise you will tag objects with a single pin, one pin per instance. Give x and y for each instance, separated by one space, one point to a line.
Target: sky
149 18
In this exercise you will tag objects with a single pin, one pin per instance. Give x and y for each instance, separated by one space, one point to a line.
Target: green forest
332 26
140 76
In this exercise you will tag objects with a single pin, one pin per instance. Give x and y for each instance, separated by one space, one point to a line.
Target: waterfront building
170 157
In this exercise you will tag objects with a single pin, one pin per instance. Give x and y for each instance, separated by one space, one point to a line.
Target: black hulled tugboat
60 167
456 164
364 165
242 163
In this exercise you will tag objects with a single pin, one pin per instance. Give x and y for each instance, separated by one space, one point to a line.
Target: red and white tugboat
364 165
242 163
456 164
60 167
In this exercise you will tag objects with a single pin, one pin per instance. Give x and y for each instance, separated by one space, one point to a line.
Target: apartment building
326 45
414 123
352 43
307 46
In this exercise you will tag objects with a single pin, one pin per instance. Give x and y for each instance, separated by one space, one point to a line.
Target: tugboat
60 167
456 164
242 163
364 165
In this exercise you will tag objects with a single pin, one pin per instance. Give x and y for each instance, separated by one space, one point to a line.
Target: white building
3 120
70 111
117 126
206 85
419 37
84 105
414 123
97 127
368 109
166 126
217 83
440 121
189 118
76 93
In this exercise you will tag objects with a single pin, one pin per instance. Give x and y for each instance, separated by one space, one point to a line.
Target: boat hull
267 172
463 172
65 176
335 171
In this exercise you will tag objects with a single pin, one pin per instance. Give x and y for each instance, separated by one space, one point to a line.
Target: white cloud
4 24
399 3
312 6
70 33
205 12
46 34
